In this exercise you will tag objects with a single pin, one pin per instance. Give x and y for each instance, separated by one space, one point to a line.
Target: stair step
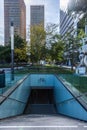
41 109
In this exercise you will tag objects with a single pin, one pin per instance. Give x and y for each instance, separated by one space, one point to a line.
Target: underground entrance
41 101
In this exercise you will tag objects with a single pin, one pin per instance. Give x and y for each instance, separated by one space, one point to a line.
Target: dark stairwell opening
41 101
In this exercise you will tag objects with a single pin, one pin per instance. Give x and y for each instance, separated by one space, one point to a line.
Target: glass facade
66 23
36 15
14 10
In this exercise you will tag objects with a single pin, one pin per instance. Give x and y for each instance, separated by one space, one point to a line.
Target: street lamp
12 50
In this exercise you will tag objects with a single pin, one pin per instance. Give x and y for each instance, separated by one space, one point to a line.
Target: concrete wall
65 102
41 80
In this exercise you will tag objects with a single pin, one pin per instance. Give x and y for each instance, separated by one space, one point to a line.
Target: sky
1 21
51 13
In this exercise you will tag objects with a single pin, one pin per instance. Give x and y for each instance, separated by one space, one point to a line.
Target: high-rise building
67 24
36 14
14 10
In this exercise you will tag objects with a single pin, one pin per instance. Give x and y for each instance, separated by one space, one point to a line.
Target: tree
19 42
45 44
5 56
57 48
20 52
37 42
54 43
72 45
20 55
51 31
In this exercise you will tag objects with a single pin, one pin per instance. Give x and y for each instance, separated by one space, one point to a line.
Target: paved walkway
42 122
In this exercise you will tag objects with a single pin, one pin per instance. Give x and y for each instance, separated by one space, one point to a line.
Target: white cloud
63 4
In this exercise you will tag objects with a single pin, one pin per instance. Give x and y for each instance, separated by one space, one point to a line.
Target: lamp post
12 51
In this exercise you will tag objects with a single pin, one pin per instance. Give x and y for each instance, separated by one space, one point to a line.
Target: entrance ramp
15 100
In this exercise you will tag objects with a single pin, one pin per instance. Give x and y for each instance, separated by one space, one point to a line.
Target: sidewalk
42 122
66 67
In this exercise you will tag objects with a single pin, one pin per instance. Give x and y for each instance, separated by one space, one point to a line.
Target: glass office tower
14 10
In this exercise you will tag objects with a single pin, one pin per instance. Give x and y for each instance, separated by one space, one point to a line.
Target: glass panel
6 82
76 83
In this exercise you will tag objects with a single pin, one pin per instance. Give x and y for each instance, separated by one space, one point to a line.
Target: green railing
45 69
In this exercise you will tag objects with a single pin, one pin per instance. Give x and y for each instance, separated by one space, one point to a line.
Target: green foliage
57 48
72 45
37 42
81 25
45 44
5 54
19 42
20 50
51 31
20 55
